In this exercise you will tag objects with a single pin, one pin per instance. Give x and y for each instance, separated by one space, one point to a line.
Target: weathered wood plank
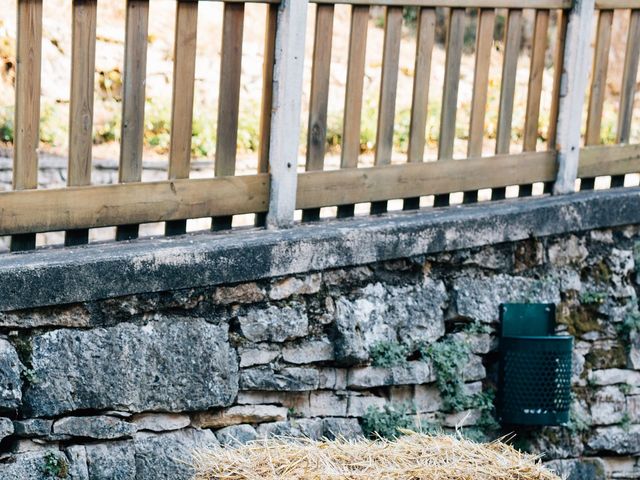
319 101
388 91
133 203
598 86
267 97
558 62
83 60
512 41
27 110
536 72
603 160
629 76
229 98
285 120
616 4
353 94
133 100
184 69
455 42
575 72
426 34
484 46
534 91
547 4
339 187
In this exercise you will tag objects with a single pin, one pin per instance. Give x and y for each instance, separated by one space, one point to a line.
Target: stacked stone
128 388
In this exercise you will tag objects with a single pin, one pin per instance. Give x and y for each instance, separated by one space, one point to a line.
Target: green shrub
449 359
388 354
386 423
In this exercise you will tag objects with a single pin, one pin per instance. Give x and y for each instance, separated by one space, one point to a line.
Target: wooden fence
278 190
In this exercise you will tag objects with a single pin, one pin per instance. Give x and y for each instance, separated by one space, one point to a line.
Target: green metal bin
535 367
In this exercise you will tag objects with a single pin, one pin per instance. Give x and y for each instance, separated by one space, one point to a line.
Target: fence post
288 70
573 86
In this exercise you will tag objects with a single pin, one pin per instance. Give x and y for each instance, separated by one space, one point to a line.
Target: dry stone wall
127 388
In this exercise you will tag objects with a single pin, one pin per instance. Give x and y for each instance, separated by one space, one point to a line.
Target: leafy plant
386 423
593 297
55 466
449 359
388 354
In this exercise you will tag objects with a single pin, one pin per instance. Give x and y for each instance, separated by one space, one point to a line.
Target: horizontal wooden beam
613 4
359 185
30 211
534 4
609 160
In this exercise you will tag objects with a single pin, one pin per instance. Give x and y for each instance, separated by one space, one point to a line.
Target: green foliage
449 359
625 422
630 327
593 297
386 423
55 466
6 125
388 354
477 328
157 126
578 423
108 131
54 130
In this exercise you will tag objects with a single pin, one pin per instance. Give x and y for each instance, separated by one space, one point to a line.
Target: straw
413 456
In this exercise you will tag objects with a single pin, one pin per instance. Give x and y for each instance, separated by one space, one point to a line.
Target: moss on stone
580 319
597 359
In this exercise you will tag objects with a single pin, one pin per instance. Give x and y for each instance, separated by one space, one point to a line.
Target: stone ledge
63 276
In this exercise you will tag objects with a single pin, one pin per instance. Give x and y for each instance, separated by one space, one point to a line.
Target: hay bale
413 456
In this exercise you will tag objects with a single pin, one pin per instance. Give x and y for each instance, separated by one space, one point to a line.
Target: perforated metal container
535 367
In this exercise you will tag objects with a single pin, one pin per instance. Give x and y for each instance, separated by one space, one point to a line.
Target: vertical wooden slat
628 91
598 85
27 114
133 100
512 41
388 90
484 44
534 92
267 97
288 70
558 62
320 76
83 56
426 34
575 74
229 98
184 69
455 42
353 94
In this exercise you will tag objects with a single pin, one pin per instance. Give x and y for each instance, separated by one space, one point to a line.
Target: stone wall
127 387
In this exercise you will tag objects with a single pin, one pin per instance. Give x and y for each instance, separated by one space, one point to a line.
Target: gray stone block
236 435
410 314
622 441
169 455
34 465
34 427
275 324
293 379
344 428
10 382
583 469
6 428
101 427
167 366
111 461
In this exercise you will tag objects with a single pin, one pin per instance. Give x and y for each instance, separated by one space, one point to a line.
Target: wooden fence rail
278 189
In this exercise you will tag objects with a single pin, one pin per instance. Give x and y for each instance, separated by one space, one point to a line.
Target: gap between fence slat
353 94
484 46
229 98
133 101
27 114
425 41
455 42
319 101
388 91
83 60
184 68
